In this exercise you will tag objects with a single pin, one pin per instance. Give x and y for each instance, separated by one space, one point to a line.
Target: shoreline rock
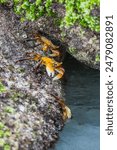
82 43
30 118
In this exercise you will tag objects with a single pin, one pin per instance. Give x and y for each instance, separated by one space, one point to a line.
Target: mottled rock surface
30 117
82 43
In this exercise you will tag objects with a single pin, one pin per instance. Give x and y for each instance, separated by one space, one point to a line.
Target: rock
81 43
29 116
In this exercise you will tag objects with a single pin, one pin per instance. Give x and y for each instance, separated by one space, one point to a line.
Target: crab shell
52 66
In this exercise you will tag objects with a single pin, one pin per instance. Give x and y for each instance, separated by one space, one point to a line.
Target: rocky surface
81 43
30 118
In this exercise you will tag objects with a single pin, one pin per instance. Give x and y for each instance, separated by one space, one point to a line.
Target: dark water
82 96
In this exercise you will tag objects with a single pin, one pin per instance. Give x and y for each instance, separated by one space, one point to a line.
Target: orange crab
65 109
52 67
47 45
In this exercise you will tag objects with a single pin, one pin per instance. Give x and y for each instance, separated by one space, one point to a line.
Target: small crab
47 45
52 67
65 109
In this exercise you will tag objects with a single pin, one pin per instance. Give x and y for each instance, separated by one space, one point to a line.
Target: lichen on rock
82 43
74 23
30 118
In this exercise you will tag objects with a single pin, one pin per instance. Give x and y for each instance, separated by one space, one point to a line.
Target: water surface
82 96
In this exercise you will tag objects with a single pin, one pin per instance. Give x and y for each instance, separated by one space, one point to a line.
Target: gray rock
81 43
29 116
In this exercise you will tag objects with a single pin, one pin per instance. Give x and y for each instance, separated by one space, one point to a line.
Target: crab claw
67 113
65 109
50 70
55 53
45 47
60 71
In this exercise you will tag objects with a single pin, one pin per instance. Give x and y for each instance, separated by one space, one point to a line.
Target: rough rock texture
30 117
80 42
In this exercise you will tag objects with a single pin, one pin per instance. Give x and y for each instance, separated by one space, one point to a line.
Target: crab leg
38 65
36 56
55 53
32 39
65 109
60 71
58 65
28 53
50 70
28 58
44 40
45 47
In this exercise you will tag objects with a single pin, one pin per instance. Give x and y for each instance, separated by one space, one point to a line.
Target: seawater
82 132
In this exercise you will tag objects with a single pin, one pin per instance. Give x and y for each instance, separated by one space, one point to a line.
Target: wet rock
29 116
